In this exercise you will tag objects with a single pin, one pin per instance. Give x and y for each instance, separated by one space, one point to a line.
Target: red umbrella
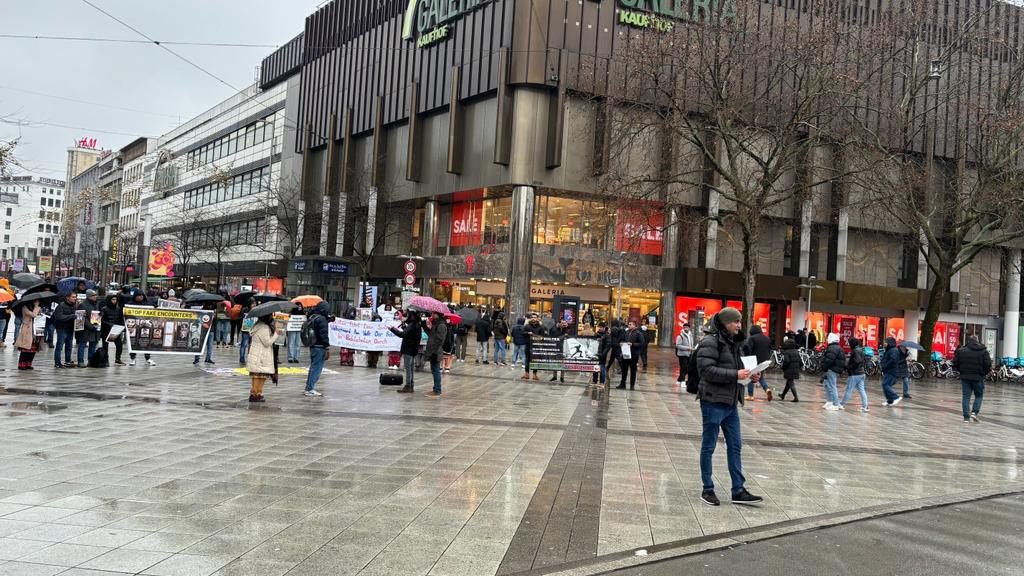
455 319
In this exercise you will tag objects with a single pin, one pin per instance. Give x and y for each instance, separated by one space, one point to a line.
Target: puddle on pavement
25 408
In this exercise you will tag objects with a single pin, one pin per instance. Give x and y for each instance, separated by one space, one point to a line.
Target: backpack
449 342
308 332
692 373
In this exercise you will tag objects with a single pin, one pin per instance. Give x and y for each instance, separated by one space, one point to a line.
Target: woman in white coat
260 359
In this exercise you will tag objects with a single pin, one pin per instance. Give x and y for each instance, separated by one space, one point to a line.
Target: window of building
42 214
57 204
7 238
40 227
56 229
42 201
7 225
59 192
46 242
49 228
9 212
575 222
49 202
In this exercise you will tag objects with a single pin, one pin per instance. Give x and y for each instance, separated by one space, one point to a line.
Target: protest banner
295 322
168 303
39 326
564 354
366 336
167 330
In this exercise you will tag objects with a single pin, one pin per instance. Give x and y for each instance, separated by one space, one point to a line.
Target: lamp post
78 249
266 274
967 306
810 286
147 233
618 301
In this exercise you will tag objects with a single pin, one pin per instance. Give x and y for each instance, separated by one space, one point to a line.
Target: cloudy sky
147 91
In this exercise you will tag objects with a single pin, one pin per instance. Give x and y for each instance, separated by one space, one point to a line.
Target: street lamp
266 274
147 233
810 286
618 301
967 306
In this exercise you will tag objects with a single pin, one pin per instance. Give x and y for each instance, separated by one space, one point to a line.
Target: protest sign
79 320
167 330
564 354
167 303
366 336
295 322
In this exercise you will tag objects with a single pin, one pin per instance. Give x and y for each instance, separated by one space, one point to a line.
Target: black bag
308 332
99 359
390 379
692 373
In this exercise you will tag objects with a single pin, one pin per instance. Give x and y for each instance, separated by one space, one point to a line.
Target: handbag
626 351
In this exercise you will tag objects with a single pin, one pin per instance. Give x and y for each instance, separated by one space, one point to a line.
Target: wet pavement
168 470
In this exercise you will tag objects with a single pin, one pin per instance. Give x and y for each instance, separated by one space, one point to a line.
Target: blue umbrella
67 285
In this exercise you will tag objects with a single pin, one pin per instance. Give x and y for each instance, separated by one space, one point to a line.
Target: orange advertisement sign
161 261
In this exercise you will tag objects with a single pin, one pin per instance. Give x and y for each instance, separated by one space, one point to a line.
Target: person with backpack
500 330
894 367
316 335
718 374
448 348
410 331
855 367
791 365
461 341
833 362
235 315
684 348
483 338
759 346
520 338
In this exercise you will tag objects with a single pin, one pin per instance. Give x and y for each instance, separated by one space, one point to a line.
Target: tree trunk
750 235
936 295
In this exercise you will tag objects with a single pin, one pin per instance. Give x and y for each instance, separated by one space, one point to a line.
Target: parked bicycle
944 369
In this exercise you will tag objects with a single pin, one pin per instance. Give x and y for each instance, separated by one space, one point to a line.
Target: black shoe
58 365
260 398
210 362
907 396
746 498
562 379
708 497
632 387
119 363
553 378
486 362
252 398
620 387
195 362
795 400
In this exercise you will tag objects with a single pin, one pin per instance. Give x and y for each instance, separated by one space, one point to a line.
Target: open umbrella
912 346
454 318
5 296
268 308
243 298
42 297
308 301
263 298
428 304
67 285
204 298
41 287
469 315
26 279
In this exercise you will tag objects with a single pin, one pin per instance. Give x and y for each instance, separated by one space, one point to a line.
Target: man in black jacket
411 332
112 314
973 362
633 337
560 330
483 338
319 350
64 324
720 390
90 333
760 346
833 362
533 327
855 368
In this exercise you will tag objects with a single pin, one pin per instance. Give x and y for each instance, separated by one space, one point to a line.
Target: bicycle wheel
953 374
916 370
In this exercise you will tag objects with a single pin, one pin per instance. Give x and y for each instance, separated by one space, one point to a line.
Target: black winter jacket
411 333
64 316
833 359
972 361
320 315
718 360
893 362
111 314
500 329
758 345
855 364
483 329
90 333
520 337
791 363
636 339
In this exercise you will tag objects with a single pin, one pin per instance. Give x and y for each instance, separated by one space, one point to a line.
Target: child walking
791 365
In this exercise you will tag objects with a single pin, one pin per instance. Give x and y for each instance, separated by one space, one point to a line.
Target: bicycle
944 369
777 358
915 369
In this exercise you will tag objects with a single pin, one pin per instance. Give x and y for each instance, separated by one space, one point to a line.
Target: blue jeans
65 341
856 382
317 357
243 347
519 353
887 381
726 417
499 351
976 387
209 353
294 339
906 385
50 328
603 374
435 369
3 329
832 387
409 363
81 350
750 385
223 331
482 348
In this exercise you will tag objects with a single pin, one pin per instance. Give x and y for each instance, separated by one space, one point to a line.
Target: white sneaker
150 362
864 409
131 362
313 393
896 401
842 407
827 406
832 408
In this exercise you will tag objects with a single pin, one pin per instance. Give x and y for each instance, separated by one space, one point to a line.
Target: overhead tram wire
130 41
99 104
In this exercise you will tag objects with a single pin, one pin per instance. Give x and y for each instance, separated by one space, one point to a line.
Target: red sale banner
762 313
467 224
640 230
687 304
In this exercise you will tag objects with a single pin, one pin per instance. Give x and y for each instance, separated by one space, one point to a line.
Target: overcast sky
142 77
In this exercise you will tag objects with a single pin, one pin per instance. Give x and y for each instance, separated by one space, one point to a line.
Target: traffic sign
410 279
410 268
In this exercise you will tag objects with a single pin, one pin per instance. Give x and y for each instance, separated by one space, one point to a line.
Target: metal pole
106 257
78 248
622 266
967 305
147 232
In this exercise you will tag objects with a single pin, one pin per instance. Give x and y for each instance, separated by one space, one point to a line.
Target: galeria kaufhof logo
429 21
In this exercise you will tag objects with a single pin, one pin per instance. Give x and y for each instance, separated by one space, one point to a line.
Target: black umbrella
26 279
268 308
264 298
42 297
203 297
41 287
469 315
243 298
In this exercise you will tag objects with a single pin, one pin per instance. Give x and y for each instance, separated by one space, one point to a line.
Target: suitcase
390 379
346 357
99 359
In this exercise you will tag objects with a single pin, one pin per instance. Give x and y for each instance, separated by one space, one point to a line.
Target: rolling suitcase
390 379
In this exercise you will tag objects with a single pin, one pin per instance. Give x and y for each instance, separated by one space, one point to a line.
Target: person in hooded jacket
532 328
112 314
139 299
833 362
973 362
483 338
635 338
520 338
855 367
411 331
720 390
760 346
791 365
500 330
88 336
260 360
894 367
320 349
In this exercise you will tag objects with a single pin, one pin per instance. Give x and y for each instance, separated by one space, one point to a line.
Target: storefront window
475 226
574 222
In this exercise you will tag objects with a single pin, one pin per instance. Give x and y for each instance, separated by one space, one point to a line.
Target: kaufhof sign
664 14
430 21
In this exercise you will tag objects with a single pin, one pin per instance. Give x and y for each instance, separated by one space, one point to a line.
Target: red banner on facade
467 224
762 314
687 304
640 231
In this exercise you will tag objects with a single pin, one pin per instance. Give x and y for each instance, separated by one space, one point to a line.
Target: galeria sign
661 14
427 20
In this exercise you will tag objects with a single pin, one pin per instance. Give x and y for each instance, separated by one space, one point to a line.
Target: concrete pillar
669 265
430 228
1011 319
517 288
806 224
911 320
711 252
842 233
799 308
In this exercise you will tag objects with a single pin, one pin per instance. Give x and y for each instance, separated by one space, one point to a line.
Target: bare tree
284 221
7 158
377 220
182 232
952 209
739 109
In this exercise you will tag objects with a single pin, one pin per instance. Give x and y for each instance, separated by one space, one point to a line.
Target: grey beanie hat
90 293
729 315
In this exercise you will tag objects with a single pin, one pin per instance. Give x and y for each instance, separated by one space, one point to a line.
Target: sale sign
762 313
467 224
687 304
640 230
